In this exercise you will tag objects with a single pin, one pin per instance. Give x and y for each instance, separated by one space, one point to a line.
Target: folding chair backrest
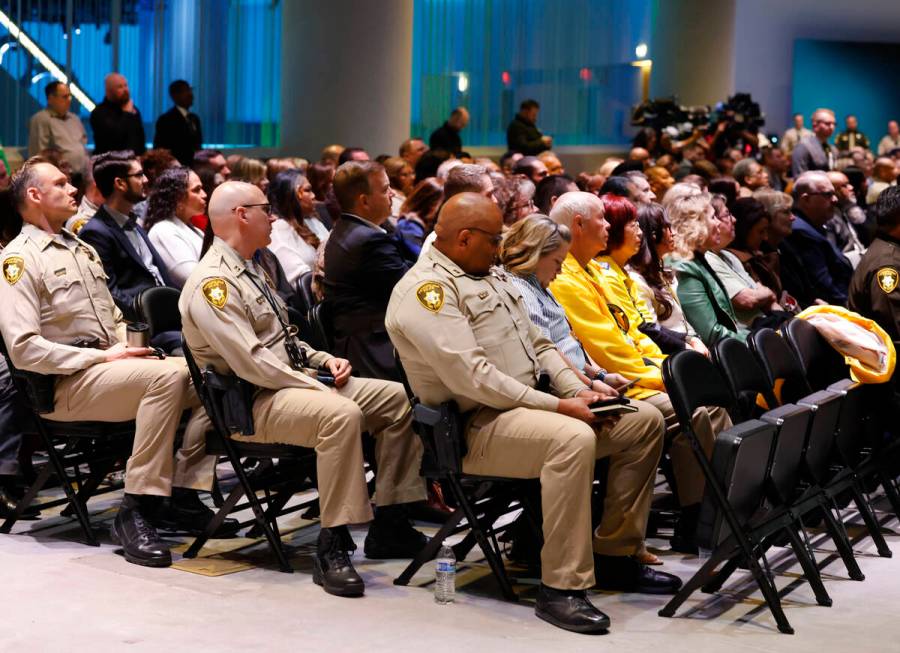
320 319
304 290
821 363
159 309
857 426
792 424
780 364
39 390
820 443
744 376
692 381
739 460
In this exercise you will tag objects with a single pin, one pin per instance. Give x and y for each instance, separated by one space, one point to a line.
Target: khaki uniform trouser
707 423
154 393
561 452
332 423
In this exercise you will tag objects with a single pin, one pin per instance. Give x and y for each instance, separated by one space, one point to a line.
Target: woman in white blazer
176 198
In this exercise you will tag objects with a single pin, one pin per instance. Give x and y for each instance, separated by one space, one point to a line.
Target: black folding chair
304 290
785 488
320 319
102 447
480 500
158 307
211 388
785 372
861 443
736 524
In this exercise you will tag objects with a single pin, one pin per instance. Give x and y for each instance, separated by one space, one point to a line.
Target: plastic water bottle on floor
445 575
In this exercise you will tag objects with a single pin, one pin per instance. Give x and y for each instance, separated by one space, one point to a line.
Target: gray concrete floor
60 595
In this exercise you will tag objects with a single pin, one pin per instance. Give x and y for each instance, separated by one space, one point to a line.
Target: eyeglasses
494 238
823 193
139 173
266 207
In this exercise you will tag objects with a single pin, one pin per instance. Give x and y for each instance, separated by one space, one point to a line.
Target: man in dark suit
129 259
363 262
828 270
116 122
178 130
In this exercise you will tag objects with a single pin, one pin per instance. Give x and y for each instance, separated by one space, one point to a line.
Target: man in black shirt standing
446 137
522 135
116 122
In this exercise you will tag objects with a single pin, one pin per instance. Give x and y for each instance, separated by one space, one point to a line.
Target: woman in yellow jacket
615 343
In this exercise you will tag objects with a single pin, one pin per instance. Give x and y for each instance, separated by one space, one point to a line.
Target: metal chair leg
809 568
490 554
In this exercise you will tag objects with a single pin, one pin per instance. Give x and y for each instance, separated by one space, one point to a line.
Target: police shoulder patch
887 279
431 295
13 267
215 291
78 225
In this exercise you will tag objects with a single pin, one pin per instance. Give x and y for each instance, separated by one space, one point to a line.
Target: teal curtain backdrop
229 50
849 78
572 56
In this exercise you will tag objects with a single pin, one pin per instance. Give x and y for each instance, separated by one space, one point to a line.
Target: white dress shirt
178 245
295 254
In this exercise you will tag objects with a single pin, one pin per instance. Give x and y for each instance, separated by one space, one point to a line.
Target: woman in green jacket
703 297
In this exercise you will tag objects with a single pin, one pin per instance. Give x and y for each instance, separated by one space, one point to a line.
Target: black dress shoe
139 540
625 574
8 501
332 568
392 536
569 610
184 511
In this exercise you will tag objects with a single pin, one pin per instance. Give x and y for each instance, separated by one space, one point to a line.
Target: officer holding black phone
235 322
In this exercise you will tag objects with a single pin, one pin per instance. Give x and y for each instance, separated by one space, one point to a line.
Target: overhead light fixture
35 51
463 83
641 50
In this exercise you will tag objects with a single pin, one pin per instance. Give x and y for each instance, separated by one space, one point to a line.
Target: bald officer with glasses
464 335
234 321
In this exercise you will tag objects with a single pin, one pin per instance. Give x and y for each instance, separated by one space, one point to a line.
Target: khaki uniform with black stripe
469 339
54 294
230 323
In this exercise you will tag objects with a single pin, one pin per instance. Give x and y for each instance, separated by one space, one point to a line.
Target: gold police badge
13 267
887 279
216 292
430 295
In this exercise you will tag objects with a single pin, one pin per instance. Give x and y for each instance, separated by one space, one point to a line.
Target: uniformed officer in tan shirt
234 321
60 319
463 334
875 287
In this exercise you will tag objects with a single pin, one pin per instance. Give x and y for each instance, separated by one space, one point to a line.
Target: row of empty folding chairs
806 441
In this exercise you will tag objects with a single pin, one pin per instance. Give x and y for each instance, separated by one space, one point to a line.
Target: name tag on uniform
60 272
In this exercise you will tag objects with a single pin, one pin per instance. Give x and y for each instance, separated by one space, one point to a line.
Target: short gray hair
806 183
574 203
743 169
